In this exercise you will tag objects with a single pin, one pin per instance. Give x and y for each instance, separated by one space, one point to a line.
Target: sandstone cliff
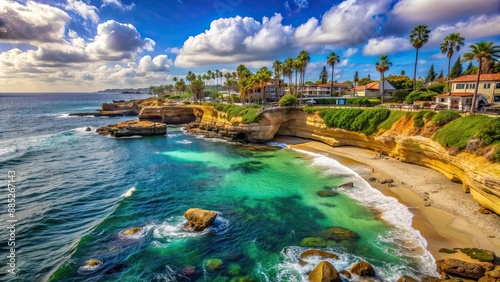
480 177
133 127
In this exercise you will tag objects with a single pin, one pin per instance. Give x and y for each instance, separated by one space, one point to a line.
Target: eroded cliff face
480 177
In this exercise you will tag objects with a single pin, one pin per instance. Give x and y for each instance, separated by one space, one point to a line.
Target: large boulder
318 253
199 219
324 272
363 268
461 268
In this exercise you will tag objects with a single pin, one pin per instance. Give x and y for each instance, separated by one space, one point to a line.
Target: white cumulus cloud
386 45
349 23
31 22
236 39
86 11
118 4
158 63
350 51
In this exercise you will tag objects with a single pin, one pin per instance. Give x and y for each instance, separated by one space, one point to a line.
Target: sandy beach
451 221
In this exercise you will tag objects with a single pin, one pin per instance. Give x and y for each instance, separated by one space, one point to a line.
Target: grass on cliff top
248 114
458 132
393 117
365 121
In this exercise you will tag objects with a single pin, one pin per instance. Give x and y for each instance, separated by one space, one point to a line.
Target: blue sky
75 45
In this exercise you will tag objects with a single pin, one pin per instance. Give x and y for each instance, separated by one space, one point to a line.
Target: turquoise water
79 192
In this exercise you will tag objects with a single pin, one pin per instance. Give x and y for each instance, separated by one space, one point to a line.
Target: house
321 90
464 86
272 92
373 89
459 101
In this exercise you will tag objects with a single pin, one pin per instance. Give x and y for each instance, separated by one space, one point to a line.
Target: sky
89 45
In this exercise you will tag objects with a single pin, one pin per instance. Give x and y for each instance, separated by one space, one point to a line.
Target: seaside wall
480 177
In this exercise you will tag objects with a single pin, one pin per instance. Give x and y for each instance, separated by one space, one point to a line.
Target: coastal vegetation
248 114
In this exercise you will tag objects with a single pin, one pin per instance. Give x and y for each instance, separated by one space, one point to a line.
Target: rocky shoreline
133 128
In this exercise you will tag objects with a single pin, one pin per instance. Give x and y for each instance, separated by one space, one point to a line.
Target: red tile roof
473 77
456 95
369 86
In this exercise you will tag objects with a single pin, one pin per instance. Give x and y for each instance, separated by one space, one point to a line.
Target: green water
267 203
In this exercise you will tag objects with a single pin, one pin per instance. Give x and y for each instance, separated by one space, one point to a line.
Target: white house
459 101
374 89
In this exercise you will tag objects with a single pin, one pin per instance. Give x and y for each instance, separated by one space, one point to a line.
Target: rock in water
133 127
199 219
132 231
347 185
88 129
461 268
324 272
406 278
318 253
338 234
93 262
363 268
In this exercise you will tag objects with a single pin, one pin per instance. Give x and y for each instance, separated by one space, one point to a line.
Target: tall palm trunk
448 77
474 98
331 83
383 89
415 73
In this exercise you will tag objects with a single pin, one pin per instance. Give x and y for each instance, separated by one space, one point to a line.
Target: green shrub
365 121
248 114
186 102
420 95
436 87
429 114
419 118
458 132
327 101
481 255
359 101
490 133
393 117
444 117
447 251
496 155
288 100
400 95
175 97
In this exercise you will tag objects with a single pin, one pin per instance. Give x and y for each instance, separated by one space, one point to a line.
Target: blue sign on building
341 102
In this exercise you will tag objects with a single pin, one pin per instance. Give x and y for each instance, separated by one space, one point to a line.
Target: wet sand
451 221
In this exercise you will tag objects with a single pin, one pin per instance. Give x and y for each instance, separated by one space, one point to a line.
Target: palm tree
483 52
277 65
382 65
418 37
288 72
452 42
263 76
296 69
332 59
304 59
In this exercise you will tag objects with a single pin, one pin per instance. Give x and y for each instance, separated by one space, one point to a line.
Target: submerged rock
313 242
213 264
327 193
199 219
363 268
318 253
324 272
461 268
234 270
339 234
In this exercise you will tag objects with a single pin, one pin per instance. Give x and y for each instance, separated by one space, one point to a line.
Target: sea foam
129 192
391 210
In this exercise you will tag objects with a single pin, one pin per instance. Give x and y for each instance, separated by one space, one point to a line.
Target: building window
468 101
496 99
471 85
486 86
442 100
460 86
498 85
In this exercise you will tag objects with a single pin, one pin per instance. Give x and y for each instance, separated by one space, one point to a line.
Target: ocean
76 194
